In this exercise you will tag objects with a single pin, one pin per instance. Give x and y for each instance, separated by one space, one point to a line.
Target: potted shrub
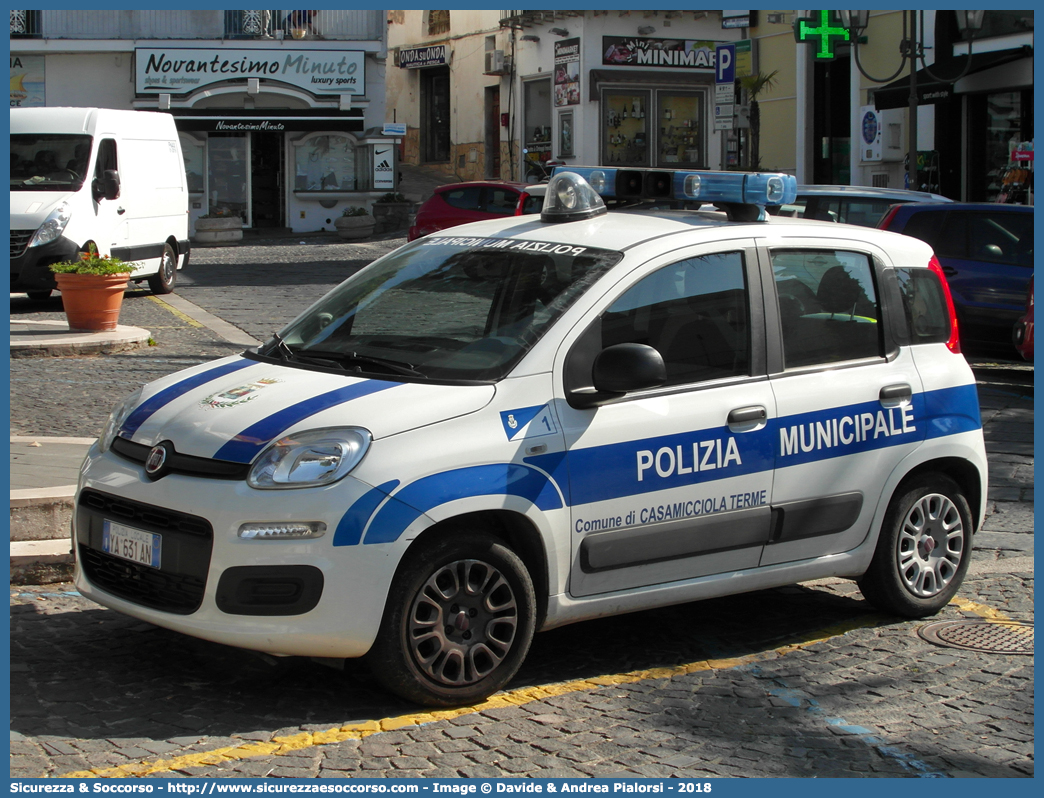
392 212
355 222
218 227
92 289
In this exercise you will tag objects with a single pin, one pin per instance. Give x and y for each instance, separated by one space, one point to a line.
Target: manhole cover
993 637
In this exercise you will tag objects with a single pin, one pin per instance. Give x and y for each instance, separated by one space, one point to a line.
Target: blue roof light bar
718 188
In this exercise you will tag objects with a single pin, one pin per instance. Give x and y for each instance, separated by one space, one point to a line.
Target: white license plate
131 544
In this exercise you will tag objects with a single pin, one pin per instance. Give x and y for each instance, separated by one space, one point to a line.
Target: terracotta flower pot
92 302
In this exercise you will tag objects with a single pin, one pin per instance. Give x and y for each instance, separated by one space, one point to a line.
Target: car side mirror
618 370
107 186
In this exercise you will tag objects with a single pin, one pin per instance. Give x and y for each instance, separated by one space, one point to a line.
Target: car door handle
121 211
949 271
747 415
896 394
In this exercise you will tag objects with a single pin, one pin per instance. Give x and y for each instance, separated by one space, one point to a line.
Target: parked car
513 426
460 203
986 252
861 205
1022 335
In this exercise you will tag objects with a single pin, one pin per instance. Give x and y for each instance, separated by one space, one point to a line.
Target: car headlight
53 226
309 459
117 417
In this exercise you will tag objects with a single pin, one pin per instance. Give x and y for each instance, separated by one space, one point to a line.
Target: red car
460 203
1022 335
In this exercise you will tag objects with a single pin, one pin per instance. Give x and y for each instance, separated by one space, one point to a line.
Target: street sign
723 117
725 74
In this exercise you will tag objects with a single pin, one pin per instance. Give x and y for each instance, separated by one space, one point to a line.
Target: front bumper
292 597
29 270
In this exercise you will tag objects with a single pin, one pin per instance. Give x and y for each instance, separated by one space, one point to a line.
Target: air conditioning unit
496 64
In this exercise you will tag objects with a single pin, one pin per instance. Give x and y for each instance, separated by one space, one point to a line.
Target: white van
82 176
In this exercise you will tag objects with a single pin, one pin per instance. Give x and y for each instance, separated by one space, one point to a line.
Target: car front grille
19 241
177 585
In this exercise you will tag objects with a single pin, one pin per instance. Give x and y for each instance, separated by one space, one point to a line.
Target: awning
272 120
930 91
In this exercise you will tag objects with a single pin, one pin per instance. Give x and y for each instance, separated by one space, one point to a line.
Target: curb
55 339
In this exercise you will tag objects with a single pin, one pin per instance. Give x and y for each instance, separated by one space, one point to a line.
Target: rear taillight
954 343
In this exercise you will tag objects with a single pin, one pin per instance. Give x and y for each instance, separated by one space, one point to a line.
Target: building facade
498 94
280 113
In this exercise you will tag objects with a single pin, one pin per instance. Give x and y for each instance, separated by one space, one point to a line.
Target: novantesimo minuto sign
177 70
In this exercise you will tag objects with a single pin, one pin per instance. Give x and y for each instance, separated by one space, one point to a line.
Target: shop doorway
493 132
266 187
435 103
831 122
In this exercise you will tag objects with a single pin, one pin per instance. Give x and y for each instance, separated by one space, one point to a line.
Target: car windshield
49 162
446 308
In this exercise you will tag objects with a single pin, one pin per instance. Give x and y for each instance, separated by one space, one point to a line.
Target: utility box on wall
870 134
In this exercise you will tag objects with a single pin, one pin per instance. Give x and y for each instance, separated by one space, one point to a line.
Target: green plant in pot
92 289
354 222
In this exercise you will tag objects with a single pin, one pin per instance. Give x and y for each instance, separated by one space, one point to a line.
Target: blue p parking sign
725 63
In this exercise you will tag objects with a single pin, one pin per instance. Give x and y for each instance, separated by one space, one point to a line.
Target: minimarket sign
177 70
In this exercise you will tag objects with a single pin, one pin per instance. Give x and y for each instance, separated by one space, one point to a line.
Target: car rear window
924 304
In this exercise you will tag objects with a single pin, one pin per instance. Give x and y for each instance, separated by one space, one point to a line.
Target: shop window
192 154
827 305
328 162
537 144
680 121
625 136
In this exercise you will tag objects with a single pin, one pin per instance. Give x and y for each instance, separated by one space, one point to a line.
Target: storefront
287 150
625 100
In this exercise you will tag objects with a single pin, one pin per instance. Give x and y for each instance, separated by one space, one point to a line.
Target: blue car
986 253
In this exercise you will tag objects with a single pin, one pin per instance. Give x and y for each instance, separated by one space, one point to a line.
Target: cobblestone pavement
94 689
797 682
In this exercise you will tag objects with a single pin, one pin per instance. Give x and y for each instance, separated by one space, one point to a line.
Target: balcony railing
344 25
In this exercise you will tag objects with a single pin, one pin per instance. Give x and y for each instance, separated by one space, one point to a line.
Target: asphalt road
805 681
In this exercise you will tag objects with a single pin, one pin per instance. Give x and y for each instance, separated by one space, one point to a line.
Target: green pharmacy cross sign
827 29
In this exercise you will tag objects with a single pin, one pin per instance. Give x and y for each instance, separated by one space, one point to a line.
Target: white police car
527 422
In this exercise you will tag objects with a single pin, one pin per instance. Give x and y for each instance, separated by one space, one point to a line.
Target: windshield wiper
395 366
287 355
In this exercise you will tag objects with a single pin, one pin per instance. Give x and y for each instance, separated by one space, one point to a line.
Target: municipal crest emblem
236 396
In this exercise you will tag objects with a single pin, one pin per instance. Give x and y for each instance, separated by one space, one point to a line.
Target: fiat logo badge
156 460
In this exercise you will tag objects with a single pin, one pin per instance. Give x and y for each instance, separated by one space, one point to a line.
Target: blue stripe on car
159 400
507 479
600 473
350 528
248 443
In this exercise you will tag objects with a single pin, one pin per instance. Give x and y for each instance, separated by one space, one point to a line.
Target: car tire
164 280
39 296
459 621
924 548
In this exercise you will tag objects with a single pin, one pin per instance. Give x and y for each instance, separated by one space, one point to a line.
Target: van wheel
163 281
924 549
460 618
39 296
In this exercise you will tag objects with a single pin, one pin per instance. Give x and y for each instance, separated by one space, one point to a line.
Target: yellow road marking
515 698
166 306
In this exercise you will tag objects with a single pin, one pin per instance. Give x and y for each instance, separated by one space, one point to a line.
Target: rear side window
924 304
468 199
828 306
501 200
999 237
928 226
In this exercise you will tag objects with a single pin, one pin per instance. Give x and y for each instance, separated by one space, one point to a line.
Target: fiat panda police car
526 422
